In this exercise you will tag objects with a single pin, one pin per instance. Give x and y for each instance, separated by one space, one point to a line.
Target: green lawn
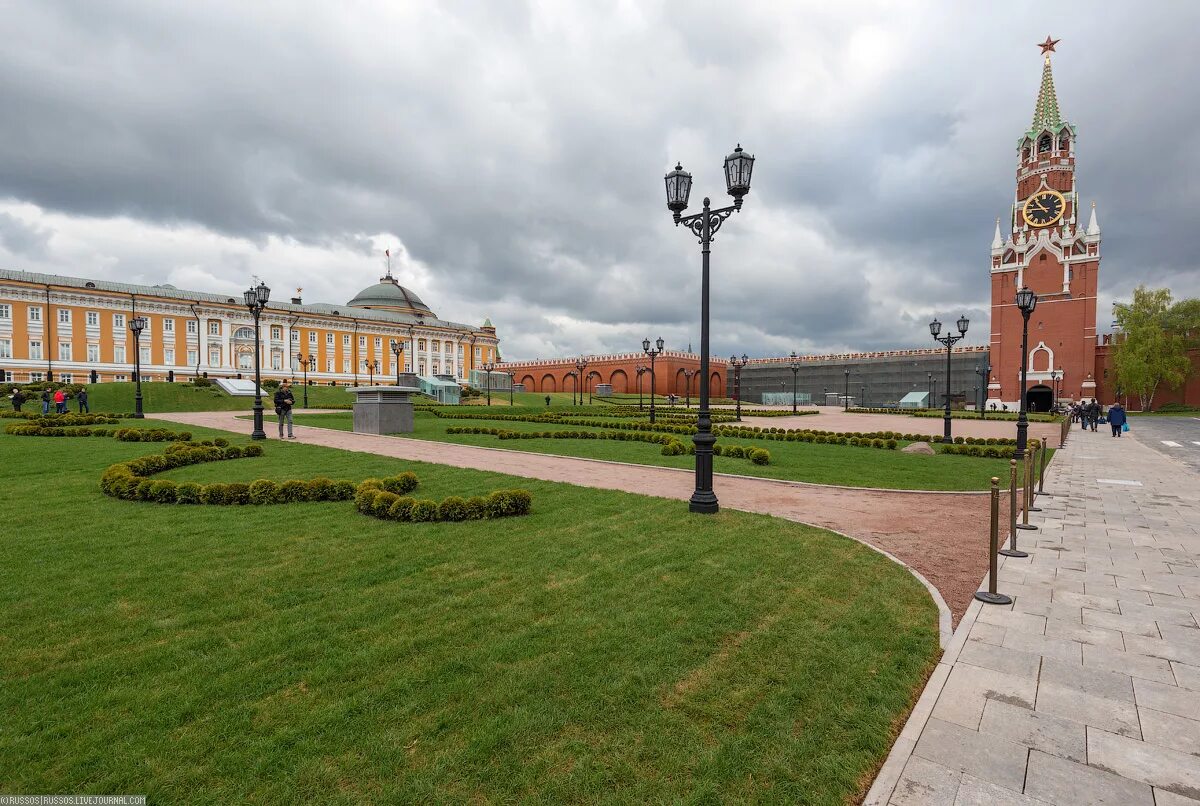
606 648
795 461
183 396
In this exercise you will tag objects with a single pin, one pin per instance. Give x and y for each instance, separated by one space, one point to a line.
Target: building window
378 342
144 355
120 378
329 339
345 365
34 377
437 346
193 357
214 357
5 348
66 377
478 350
345 339
329 365
5 312
420 366
169 357
276 332
214 328
362 342
93 319
295 336
191 327
312 337
64 351
35 313
64 316
93 353
7 377
276 360
35 351
118 355
168 326
119 321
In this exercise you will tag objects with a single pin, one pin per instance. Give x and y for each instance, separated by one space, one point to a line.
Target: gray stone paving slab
1103 627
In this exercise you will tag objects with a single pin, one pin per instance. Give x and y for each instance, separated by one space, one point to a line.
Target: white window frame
35 350
168 325
5 348
362 342
346 365
5 311
93 353
64 316
193 357
169 357
119 321
118 353
345 339
92 319
328 339
64 351
144 356
295 336
312 337
35 313
120 378
36 377
214 327
191 327
276 333
66 377
214 351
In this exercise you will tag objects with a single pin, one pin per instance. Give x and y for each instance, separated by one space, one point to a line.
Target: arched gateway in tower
1050 250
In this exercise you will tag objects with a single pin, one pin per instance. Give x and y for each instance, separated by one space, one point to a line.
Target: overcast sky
511 156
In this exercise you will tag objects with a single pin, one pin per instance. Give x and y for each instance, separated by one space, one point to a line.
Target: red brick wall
551 375
1106 381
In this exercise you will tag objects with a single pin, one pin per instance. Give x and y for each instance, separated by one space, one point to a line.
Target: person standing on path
1116 418
83 404
284 400
45 401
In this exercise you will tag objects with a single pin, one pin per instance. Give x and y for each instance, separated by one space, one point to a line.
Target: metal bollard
1042 475
1026 494
990 596
1012 551
1030 469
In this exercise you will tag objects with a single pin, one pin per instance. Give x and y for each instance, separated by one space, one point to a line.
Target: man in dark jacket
45 401
18 399
1116 418
82 398
284 400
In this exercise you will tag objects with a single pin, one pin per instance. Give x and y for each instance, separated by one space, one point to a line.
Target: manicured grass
183 396
794 461
606 648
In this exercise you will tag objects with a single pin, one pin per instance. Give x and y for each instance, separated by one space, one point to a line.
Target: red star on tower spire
1048 45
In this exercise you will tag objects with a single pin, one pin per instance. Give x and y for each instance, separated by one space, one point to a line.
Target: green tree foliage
1152 349
1183 318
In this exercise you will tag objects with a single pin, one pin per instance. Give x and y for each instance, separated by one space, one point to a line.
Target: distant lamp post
846 396
307 363
737 365
1055 377
512 381
863 402
489 367
738 167
929 393
1026 301
397 352
688 374
137 324
935 328
256 300
795 368
984 372
653 354
580 365
371 366
640 372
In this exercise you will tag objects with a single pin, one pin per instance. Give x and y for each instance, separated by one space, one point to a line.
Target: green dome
389 295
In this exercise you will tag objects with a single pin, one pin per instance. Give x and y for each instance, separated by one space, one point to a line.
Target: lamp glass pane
935 328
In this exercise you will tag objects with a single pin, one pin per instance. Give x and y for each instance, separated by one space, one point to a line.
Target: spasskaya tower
1050 250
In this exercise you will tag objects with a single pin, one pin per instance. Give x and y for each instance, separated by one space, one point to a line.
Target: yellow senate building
75 330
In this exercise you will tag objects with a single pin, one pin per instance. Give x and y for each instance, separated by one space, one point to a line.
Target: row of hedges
670 445
960 414
373 498
122 434
987 451
65 419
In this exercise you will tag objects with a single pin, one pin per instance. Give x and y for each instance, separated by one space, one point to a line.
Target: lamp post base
993 598
1012 553
704 503
258 432
1028 527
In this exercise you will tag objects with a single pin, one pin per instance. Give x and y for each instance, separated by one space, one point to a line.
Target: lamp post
795 368
512 381
984 373
640 372
929 393
737 380
704 225
581 364
935 327
863 402
688 374
1026 301
307 363
371 366
590 375
397 351
137 324
1055 377
653 354
256 300
488 366
846 397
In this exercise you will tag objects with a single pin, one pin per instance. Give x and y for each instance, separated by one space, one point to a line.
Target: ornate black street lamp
581 364
371 367
1026 301
307 363
640 372
256 300
512 381
737 365
653 355
795 368
590 375
984 373
1055 377
738 167
137 324
489 367
397 351
688 374
846 397
935 327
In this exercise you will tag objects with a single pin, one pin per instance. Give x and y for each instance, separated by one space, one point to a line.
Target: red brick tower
1051 251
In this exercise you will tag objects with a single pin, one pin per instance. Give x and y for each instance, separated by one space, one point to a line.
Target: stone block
1152 764
962 749
1061 781
1036 729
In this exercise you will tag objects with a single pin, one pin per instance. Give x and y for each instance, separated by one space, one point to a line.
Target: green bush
263 491
293 491
364 498
214 494
423 511
400 484
477 508
188 492
237 493
760 456
399 510
382 503
452 508
162 491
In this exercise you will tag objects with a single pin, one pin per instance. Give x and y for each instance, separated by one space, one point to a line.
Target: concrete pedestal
385 409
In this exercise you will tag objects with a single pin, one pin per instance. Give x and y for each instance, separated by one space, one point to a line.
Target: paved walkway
1087 688
829 418
943 536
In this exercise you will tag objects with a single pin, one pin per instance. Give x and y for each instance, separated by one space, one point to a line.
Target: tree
1183 318
1150 350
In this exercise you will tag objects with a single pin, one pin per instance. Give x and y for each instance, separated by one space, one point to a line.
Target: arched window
244 333
1025 153
1064 142
1045 142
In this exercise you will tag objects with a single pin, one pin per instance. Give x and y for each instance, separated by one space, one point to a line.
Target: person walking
18 399
284 400
1116 418
547 401
82 399
60 402
45 401
1094 414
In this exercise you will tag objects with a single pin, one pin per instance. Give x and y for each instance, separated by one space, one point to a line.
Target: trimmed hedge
671 446
372 498
69 418
122 434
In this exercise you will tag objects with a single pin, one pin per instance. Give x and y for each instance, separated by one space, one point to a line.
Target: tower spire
1045 112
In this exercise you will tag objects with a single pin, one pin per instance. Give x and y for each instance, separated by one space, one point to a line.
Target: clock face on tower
1044 207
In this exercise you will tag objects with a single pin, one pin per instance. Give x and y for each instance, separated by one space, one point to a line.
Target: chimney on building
296 299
